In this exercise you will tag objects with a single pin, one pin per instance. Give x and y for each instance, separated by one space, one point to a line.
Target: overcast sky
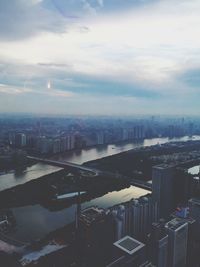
100 56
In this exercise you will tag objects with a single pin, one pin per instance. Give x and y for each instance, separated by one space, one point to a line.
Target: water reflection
194 170
34 222
79 157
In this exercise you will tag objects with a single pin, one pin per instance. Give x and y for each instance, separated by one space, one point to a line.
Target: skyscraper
177 230
158 245
163 188
96 236
128 252
194 212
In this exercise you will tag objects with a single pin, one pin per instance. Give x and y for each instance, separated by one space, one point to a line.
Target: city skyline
101 57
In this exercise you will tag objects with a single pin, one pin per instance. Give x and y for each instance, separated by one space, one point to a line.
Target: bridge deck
66 164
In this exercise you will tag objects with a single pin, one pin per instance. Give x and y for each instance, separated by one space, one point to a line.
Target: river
79 156
34 222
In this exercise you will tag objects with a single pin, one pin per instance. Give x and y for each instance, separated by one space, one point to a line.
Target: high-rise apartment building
135 217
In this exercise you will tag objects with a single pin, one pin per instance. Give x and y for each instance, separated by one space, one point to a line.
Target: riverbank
138 163
35 171
37 218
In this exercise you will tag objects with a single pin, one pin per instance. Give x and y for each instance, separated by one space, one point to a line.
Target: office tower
158 245
163 188
96 236
195 187
128 252
177 230
193 246
183 186
194 212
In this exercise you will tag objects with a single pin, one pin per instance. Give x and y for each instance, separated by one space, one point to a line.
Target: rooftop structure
177 230
129 244
90 215
175 224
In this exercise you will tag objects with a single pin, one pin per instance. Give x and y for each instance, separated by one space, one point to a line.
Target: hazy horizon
100 57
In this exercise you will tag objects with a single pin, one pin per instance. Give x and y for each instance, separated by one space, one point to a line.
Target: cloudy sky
100 56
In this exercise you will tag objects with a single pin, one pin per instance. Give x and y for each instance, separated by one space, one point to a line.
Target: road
65 165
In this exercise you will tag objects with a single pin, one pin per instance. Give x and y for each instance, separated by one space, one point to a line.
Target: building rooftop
129 244
92 214
195 201
175 224
163 166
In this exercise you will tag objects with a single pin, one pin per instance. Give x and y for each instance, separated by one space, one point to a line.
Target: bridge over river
67 165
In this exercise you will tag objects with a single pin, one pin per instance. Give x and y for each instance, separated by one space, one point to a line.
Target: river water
80 156
34 222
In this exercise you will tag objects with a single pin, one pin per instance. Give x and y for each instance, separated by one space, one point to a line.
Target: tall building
56 146
135 218
11 138
158 246
194 237
195 187
138 132
44 145
128 252
20 140
163 188
63 144
72 141
96 236
177 230
125 134
194 212
100 138
193 244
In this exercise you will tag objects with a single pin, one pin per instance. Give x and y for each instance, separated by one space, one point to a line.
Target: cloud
54 65
148 56
21 19
8 89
